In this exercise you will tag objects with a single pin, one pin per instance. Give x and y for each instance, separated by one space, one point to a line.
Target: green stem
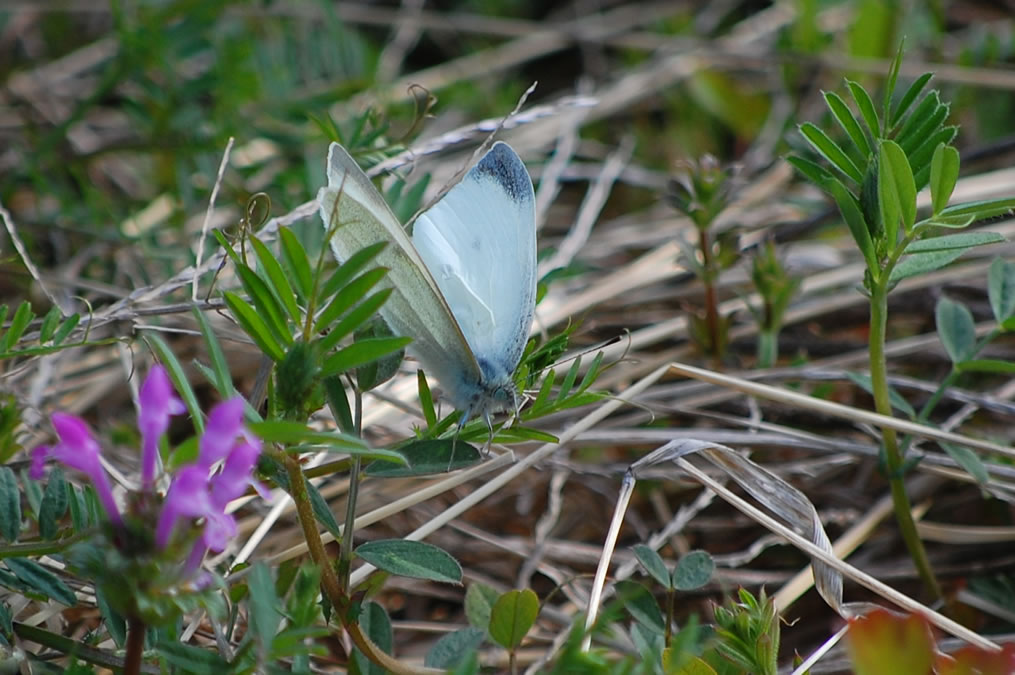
346 544
768 348
711 298
670 600
893 454
66 645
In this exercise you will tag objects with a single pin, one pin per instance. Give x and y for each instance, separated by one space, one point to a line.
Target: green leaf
280 287
222 378
264 611
851 213
276 472
38 578
10 505
355 319
254 326
980 210
48 326
640 604
828 149
895 398
653 564
693 571
350 268
896 191
921 263
995 366
297 433
377 372
33 491
374 621
296 263
907 99
66 327
54 504
849 124
924 153
944 172
812 171
512 616
866 107
360 353
451 649
967 460
948 222
415 559
321 510
924 111
78 508
179 378
23 315
338 402
919 134
426 400
1001 289
263 301
189 659
116 624
348 296
948 242
427 457
956 329
479 599
893 70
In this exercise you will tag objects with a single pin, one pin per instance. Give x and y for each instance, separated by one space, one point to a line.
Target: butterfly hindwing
479 243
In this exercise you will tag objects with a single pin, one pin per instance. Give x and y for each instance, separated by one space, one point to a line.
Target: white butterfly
464 285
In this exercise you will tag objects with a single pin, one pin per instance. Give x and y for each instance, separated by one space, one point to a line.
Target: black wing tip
503 165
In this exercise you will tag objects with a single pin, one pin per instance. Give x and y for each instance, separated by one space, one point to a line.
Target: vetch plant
875 175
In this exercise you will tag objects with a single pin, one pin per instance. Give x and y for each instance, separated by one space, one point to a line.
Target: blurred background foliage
114 116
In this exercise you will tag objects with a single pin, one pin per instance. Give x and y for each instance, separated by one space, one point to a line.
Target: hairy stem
893 454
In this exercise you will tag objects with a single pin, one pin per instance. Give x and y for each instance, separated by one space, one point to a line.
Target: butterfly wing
415 308
479 243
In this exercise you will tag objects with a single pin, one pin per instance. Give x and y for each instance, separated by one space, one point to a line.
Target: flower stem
135 646
893 454
330 583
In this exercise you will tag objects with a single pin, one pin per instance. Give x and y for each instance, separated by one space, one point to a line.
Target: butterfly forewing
416 307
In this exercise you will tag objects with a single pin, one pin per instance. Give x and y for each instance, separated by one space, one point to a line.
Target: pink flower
79 450
156 402
225 424
188 497
237 474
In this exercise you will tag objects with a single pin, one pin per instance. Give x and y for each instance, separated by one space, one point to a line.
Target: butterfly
464 282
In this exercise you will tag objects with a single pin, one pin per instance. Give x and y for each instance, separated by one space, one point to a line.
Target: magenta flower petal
219 528
225 423
156 403
187 498
78 450
236 472
39 457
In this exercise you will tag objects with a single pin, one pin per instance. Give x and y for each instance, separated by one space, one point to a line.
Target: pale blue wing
479 243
